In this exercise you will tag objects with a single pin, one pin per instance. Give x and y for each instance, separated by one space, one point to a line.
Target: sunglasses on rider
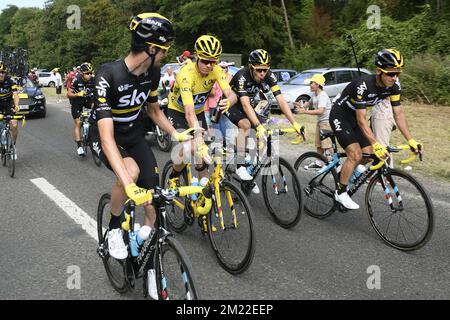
208 62
87 73
2 72
393 74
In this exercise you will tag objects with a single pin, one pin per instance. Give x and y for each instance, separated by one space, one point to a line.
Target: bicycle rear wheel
401 214
174 273
234 245
11 155
318 191
175 215
282 194
115 269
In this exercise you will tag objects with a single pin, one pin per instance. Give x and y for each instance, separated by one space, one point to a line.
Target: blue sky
22 3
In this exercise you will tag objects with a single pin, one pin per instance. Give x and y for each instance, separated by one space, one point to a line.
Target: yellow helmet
259 57
208 47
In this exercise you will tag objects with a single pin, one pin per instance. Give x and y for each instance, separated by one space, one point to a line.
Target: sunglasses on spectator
208 62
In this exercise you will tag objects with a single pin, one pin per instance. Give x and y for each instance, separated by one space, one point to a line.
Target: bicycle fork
385 181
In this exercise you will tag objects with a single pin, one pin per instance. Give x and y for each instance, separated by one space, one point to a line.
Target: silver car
336 79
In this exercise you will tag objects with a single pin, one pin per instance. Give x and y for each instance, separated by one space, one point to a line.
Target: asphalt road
40 245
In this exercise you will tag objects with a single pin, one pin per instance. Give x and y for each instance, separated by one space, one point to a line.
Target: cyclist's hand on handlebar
182 136
138 195
224 105
380 151
81 93
203 153
415 145
297 127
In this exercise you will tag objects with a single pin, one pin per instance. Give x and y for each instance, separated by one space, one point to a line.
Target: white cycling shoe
346 201
80 152
243 174
255 189
116 247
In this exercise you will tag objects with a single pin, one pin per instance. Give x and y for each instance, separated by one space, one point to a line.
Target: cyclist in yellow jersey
188 96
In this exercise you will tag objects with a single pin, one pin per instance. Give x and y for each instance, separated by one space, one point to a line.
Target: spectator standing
58 83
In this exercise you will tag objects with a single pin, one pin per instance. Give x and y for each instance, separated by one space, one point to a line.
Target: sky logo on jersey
361 89
102 86
133 99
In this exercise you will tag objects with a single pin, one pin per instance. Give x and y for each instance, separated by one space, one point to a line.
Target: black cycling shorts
131 143
178 120
345 127
76 107
236 113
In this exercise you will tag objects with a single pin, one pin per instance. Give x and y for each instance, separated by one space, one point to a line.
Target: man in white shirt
58 83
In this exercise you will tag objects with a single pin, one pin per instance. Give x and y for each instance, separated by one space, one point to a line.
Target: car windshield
299 79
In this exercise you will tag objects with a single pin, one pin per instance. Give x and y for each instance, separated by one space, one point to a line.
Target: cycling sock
78 143
341 188
114 223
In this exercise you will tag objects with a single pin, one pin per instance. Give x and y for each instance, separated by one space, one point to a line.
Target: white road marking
68 206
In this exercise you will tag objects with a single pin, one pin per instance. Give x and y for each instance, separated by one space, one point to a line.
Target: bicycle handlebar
399 148
280 131
8 117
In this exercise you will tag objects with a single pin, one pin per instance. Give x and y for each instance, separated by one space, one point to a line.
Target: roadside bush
426 79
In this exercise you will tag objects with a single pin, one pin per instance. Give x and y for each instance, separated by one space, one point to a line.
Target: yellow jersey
191 88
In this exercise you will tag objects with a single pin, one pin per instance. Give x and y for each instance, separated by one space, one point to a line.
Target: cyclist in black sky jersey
81 95
348 116
117 135
247 83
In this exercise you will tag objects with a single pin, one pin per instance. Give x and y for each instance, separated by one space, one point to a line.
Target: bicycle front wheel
282 193
401 214
11 156
115 269
233 241
175 279
318 190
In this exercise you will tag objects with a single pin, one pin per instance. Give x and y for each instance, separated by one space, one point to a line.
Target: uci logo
133 99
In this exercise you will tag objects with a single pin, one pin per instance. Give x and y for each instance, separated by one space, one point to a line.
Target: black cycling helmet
150 29
259 57
388 60
2 66
86 67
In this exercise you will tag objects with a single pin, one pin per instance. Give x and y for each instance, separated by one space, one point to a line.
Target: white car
336 79
46 79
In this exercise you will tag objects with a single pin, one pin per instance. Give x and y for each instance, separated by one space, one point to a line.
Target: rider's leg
14 130
118 195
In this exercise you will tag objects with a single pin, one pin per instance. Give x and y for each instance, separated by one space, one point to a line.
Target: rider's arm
71 94
271 80
16 101
224 84
364 125
109 147
159 118
402 124
249 111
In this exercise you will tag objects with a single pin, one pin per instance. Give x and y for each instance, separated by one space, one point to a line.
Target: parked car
32 100
336 79
284 75
46 79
